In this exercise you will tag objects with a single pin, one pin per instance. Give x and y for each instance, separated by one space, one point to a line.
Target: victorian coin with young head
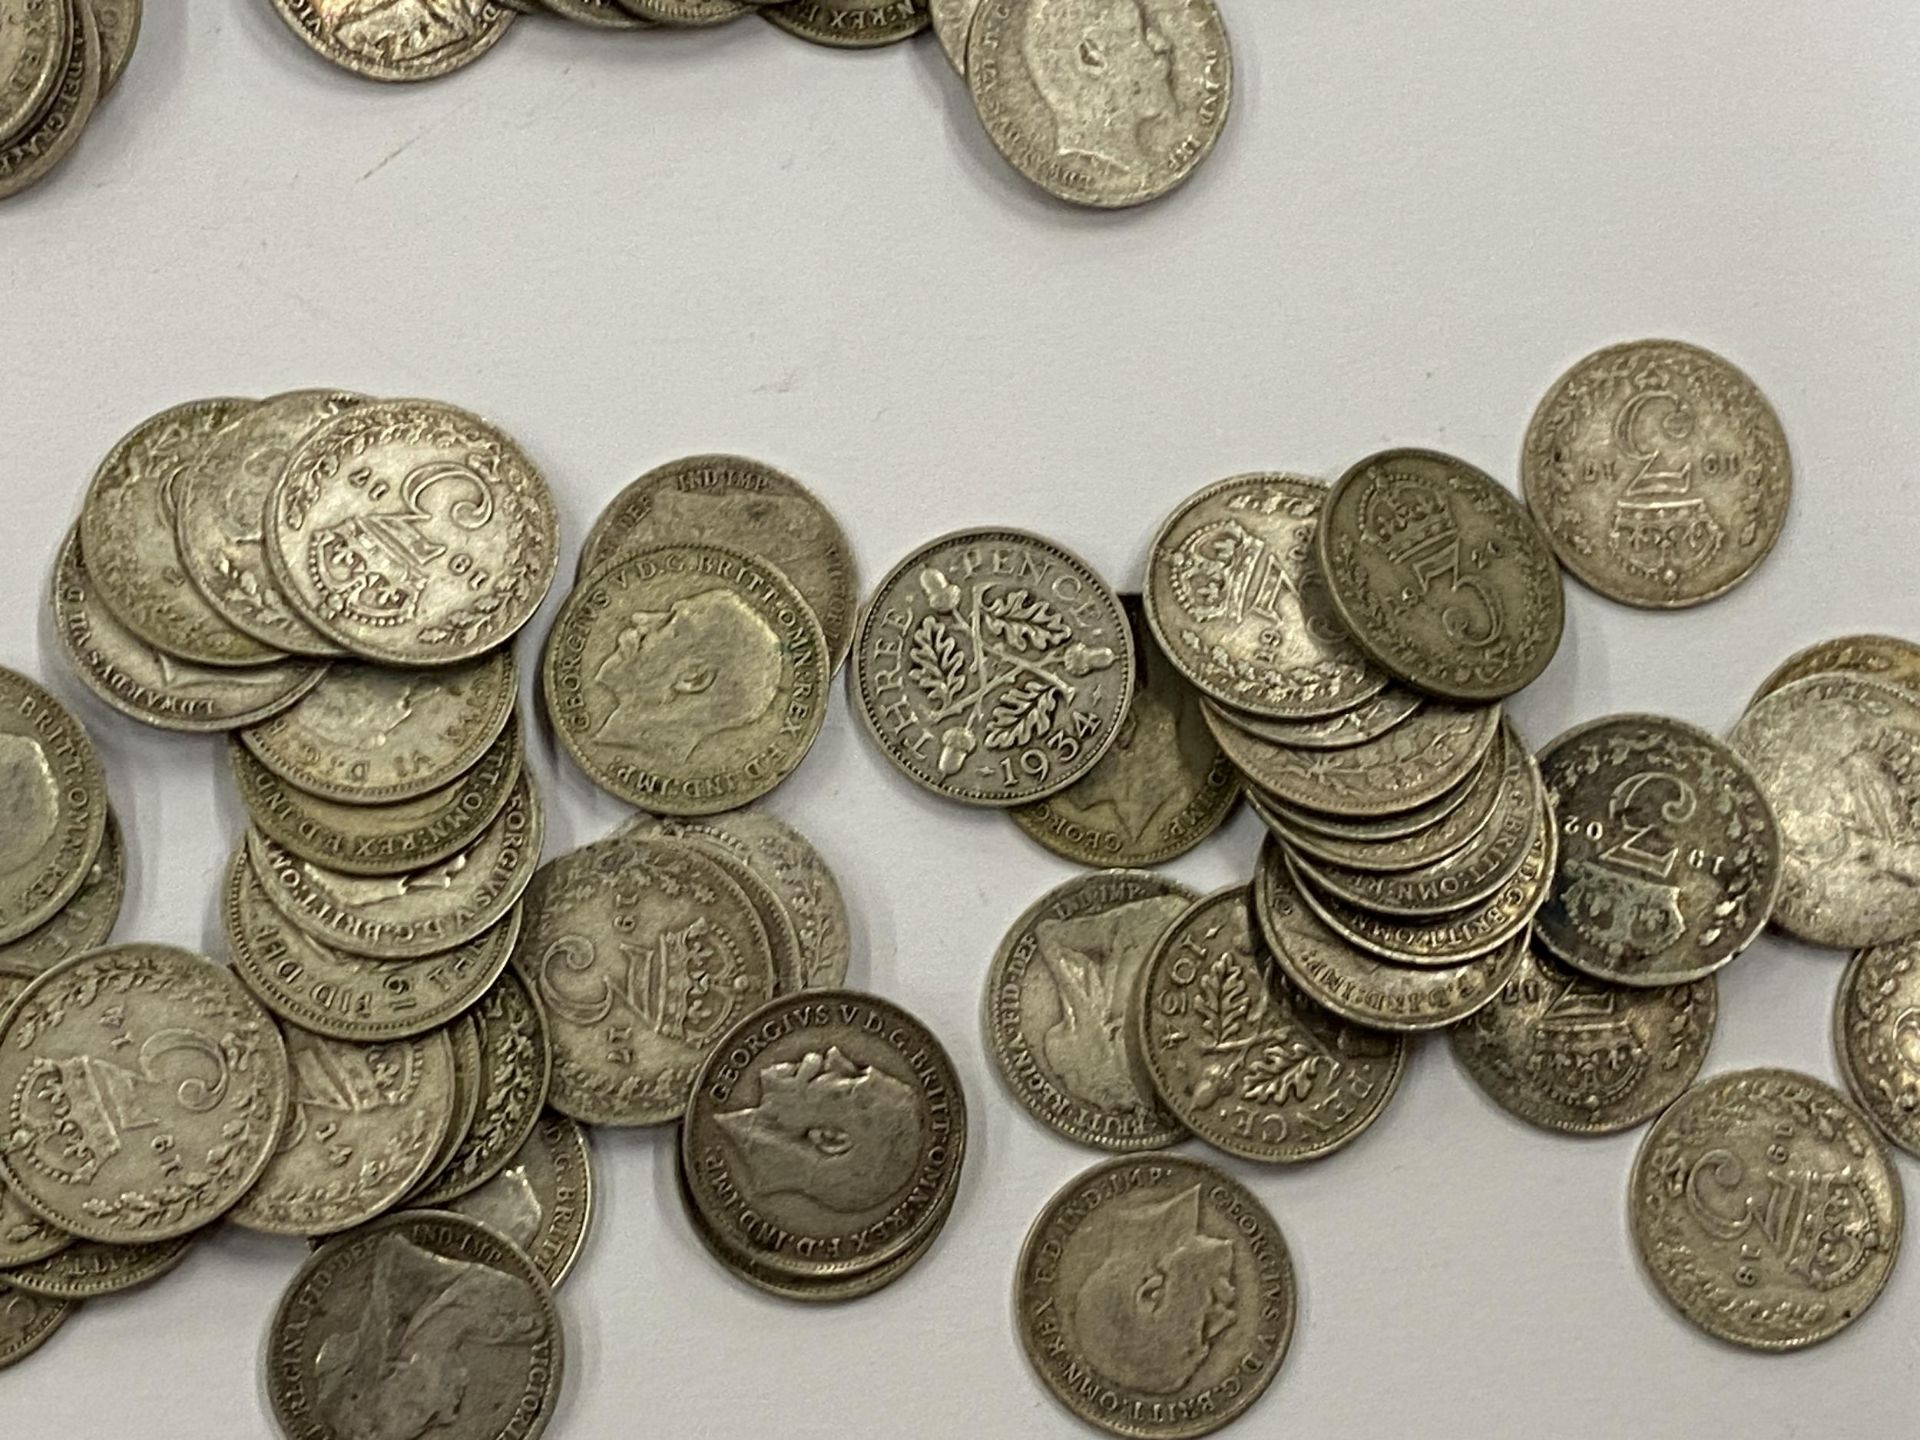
1059 1004
412 533
90 1269
422 1321
405 40
1163 788
364 1124
786 861
27 1322
36 152
1235 598
1105 103
1361 987
1765 1209
1669 854
688 679
849 24
1838 757
419 912
643 952
56 806
1582 1056
1441 575
1368 720
516 1066
543 1200
84 922
1156 1298
993 667
825 1135
152 686
220 504
36 39
952 23
201 1079
1876 1022
1872 657
128 545
119 22
371 735
1659 472
1243 1058
351 997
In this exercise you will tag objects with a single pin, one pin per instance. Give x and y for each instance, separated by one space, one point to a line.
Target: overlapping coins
59 59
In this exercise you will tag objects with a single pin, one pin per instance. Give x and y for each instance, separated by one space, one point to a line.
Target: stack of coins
688 671
58 61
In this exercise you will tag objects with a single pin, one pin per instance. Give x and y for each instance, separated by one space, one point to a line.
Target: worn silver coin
1874 657
543 1200
85 922
36 38
1876 1024
91 1269
402 41
27 1322
36 152
849 24
516 1068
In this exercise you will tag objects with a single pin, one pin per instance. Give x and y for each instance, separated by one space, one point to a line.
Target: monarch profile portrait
31 800
1104 69
678 677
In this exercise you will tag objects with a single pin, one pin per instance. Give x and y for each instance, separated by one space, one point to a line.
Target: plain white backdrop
627 248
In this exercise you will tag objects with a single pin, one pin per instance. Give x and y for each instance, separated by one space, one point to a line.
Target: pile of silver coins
58 60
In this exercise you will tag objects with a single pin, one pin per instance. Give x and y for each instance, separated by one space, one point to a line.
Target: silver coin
543 1200
36 38
1876 1021
27 1322
24 1236
1765 1210
149 1089
850 24
423 1318
783 938
407 40
1059 1004
993 667
600 14
36 152
85 922
689 13
468 1077
1874 657
90 1269
952 23
1368 720
1106 103
516 1066
1156 1298
1402 825
412 533
119 33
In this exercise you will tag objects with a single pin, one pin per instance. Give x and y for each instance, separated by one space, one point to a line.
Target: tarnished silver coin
370 735
738 504
56 806
1407 825
1659 472
399 41
600 14
1582 1056
419 912
220 504
952 23
849 24
1441 576
1242 1057
1876 1022
36 39
686 680
1163 788
688 13
365 1122
91 1269
149 684
1838 757
147 1090
1059 1008
643 953
1361 987
1105 103
1368 720
412 533
1235 597
543 1200
789 865
469 1068
825 1135
1765 1210
36 152
1155 1297
516 1066
128 545
783 939
85 922
422 1321
24 1236
345 996
993 667
1873 657
1669 855
27 1322
119 22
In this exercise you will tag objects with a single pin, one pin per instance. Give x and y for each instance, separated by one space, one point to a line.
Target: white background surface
630 248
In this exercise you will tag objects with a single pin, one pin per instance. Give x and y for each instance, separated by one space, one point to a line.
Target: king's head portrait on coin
30 797
682 676
1105 70
843 1135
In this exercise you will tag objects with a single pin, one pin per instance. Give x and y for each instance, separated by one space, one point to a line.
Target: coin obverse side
1163 788
825 1136
1765 1210
686 680
1106 103
1873 657
37 152
1156 1297
1059 1001
88 1269
36 39
1242 1057
1876 1021
408 40
1579 1056
850 24
387 1325
1659 473
1670 858
1838 758
27 1322
993 667
85 922
643 953
543 1199
1441 575
201 1079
